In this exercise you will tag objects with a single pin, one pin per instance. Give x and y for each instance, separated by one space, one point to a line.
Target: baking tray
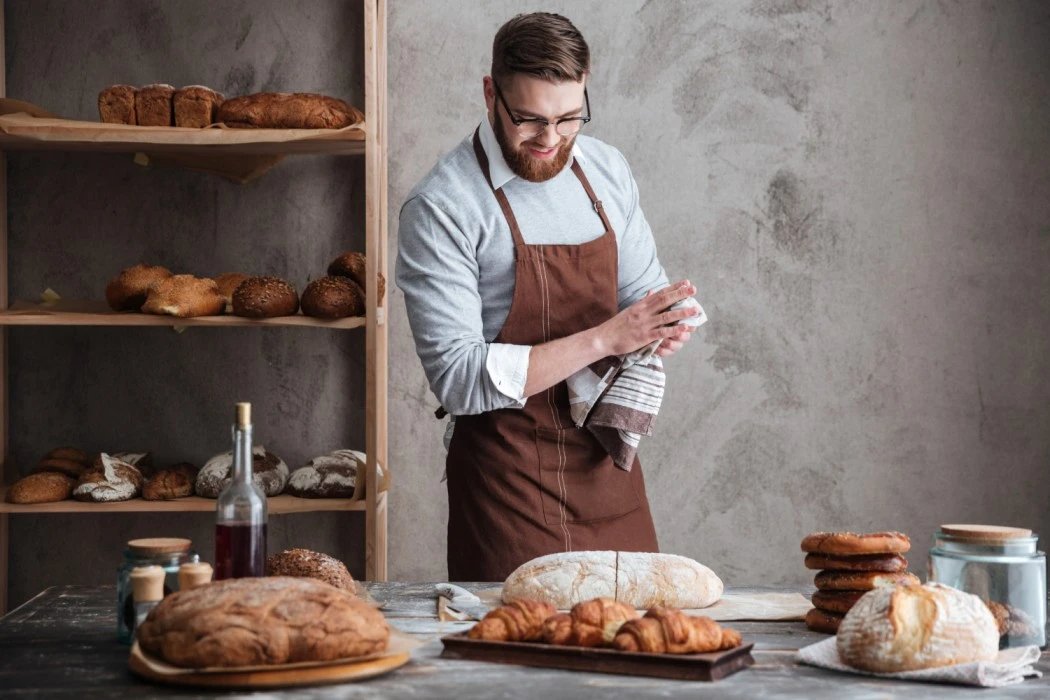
711 666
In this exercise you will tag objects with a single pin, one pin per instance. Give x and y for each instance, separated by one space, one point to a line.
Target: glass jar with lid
169 553
1003 567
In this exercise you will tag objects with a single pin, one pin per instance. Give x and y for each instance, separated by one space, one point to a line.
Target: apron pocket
578 481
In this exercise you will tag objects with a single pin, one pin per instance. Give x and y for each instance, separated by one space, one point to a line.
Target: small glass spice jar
169 553
1003 567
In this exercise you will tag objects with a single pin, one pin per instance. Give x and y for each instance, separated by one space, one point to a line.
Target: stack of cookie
849 566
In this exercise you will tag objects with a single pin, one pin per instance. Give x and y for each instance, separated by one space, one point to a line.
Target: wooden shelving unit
171 146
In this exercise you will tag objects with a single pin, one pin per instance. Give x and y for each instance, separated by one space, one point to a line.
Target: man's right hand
646 320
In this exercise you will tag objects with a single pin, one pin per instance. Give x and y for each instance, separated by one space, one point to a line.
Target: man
524 257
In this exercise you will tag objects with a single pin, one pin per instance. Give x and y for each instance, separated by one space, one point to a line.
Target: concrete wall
861 191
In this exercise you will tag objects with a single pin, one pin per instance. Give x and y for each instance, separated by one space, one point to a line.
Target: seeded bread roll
303 563
115 481
352 265
171 482
184 296
128 290
281 110
333 297
43 487
265 297
116 104
153 105
227 283
196 106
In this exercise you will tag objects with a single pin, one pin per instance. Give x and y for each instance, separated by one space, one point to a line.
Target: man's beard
528 167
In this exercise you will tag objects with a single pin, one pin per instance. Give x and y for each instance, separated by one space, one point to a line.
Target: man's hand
675 343
646 320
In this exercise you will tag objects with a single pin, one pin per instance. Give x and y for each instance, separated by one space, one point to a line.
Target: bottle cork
193 574
244 414
147 583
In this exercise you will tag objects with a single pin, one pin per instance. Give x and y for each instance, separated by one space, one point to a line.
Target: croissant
517 621
670 631
591 623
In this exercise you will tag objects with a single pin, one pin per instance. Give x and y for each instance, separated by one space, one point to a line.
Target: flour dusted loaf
269 473
641 579
908 628
111 480
333 475
262 621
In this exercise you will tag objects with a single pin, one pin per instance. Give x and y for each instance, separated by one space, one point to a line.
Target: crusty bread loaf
848 543
128 290
265 297
310 564
262 621
153 105
641 579
196 106
915 627
171 482
116 104
280 110
42 487
114 481
269 473
333 475
184 296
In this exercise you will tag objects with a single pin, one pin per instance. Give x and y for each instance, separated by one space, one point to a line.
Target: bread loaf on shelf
908 628
265 297
153 105
269 473
640 579
184 296
42 487
333 475
196 106
114 480
351 265
281 110
171 482
333 297
116 104
128 290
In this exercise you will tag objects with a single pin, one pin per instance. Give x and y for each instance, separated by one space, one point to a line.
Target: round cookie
891 563
333 297
836 601
265 297
849 543
862 580
823 622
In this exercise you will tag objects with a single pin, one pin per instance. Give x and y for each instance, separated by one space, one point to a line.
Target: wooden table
63 644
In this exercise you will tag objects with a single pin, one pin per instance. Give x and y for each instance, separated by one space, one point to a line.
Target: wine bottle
240 525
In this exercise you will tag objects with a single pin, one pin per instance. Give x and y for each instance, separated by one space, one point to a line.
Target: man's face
541 157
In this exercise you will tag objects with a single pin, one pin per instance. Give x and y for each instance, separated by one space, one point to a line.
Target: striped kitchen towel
617 398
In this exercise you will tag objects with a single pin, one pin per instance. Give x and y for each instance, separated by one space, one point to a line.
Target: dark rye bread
269 473
265 297
333 475
304 563
352 265
333 297
262 621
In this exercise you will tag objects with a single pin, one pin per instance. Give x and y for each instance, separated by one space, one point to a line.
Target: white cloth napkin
617 398
1011 666
456 594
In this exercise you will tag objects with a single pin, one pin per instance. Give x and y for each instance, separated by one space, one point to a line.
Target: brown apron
527 482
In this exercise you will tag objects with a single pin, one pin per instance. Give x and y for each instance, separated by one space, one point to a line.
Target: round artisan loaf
265 297
333 297
269 473
128 290
114 480
308 564
171 482
888 563
184 296
862 580
352 265
262 621
42 487
65 460
333 475
909 628
641 579
848 543
823 621
227 283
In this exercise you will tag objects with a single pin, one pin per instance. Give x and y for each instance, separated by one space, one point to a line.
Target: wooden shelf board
277 505
71 312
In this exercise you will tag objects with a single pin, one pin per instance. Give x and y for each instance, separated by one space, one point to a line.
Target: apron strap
597 203
508 213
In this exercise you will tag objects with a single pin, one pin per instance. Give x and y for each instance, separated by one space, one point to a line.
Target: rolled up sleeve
639 267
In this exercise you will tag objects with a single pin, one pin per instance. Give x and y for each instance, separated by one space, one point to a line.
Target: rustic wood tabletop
63 643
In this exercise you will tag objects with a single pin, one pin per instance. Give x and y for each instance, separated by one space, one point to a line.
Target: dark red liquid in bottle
240 550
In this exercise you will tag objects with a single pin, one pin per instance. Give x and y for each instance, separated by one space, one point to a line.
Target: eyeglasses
531 128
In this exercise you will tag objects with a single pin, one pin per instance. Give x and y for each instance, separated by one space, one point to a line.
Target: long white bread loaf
908 628
641 579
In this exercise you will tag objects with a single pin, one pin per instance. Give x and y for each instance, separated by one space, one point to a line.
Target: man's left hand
676 342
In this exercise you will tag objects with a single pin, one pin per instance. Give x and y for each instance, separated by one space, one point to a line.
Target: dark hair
541 44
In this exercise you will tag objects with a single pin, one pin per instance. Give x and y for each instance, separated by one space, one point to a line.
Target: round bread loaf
262 621
333 475
184 296
823 621
269 473
114 481
352 265
308 564
43 487
849 543
265 297
171 482
908 628
333 297
890 563
128 290
71 453
227 283
862 580
836 601
68 467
